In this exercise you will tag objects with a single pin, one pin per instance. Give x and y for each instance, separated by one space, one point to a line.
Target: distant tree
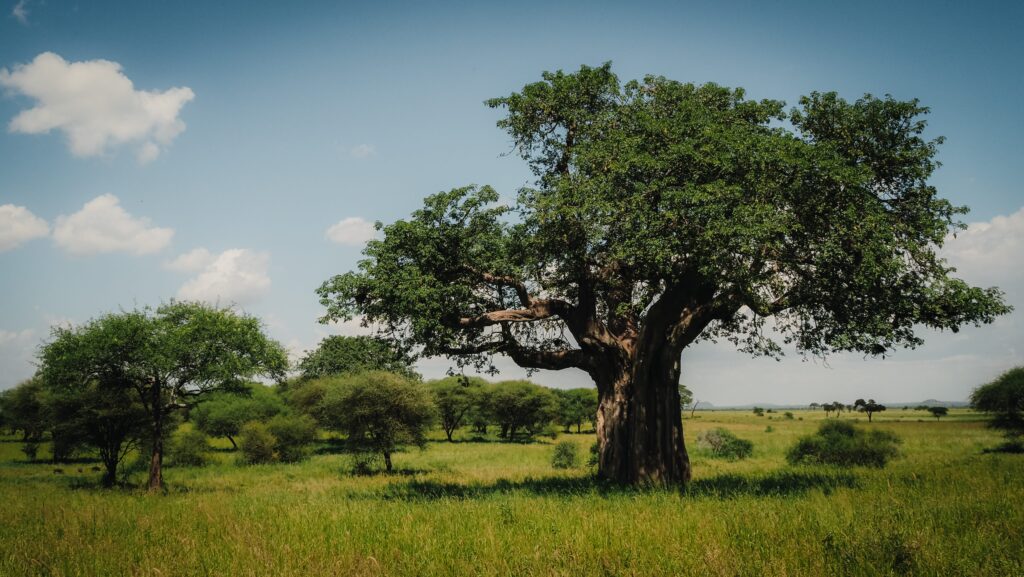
24 409
189 448
685 397
575 407
522 407
224 413
814 406
921 408
1003 398
338 354
293 434
258 446
869 407
454 398
759 411
379 412
106 418
167 359
938 412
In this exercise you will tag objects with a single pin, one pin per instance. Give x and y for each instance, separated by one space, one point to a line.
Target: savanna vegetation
179 440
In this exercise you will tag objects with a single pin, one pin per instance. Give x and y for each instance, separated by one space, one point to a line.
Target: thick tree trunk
639 422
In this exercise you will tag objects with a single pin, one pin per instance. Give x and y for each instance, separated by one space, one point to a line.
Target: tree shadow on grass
726 486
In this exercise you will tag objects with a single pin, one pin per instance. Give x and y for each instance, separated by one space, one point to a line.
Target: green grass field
491 508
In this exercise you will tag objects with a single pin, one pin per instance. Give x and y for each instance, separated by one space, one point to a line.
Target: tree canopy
339 354
167 359
664 213
1003 398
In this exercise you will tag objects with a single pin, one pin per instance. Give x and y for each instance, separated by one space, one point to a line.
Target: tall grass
492 508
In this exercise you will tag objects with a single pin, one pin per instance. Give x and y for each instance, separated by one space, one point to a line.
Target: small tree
522 407
293 435
190 448
102 417
565 455
167 359
25 412
870 407
759 411
454 398
258 445
224 413
339 354
1003 398
575 407
379 412
938 412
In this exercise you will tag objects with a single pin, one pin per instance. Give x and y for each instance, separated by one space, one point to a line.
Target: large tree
167 359
664 213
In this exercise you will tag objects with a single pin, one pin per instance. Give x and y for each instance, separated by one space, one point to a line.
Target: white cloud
353 231
18 225
103 226
363 151
20 12
192 261
95 105
989 252
233 276
16 354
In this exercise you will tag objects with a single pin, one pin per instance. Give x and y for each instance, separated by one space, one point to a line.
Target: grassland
492 508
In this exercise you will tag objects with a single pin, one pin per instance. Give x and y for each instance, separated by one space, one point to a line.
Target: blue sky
251 129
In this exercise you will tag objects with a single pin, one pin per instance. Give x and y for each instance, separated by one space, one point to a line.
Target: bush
841 443
722 443
294 434
788 415
257 444
595 455
31 449
189 449
565 456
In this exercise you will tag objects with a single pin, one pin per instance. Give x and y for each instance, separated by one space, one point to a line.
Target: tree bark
639 422
387 461
156 461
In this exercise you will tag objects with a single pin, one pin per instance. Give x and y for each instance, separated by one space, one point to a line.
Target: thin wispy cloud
95 106
20 12
363 151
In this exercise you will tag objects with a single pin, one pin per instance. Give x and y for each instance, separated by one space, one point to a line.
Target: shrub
31 449
294 434
788 415
769 429
841 443
189 449
595 455
565 456
257 444
724 444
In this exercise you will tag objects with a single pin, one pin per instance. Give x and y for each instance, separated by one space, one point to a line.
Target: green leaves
690 202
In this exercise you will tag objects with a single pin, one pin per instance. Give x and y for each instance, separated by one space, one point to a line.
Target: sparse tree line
124 383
